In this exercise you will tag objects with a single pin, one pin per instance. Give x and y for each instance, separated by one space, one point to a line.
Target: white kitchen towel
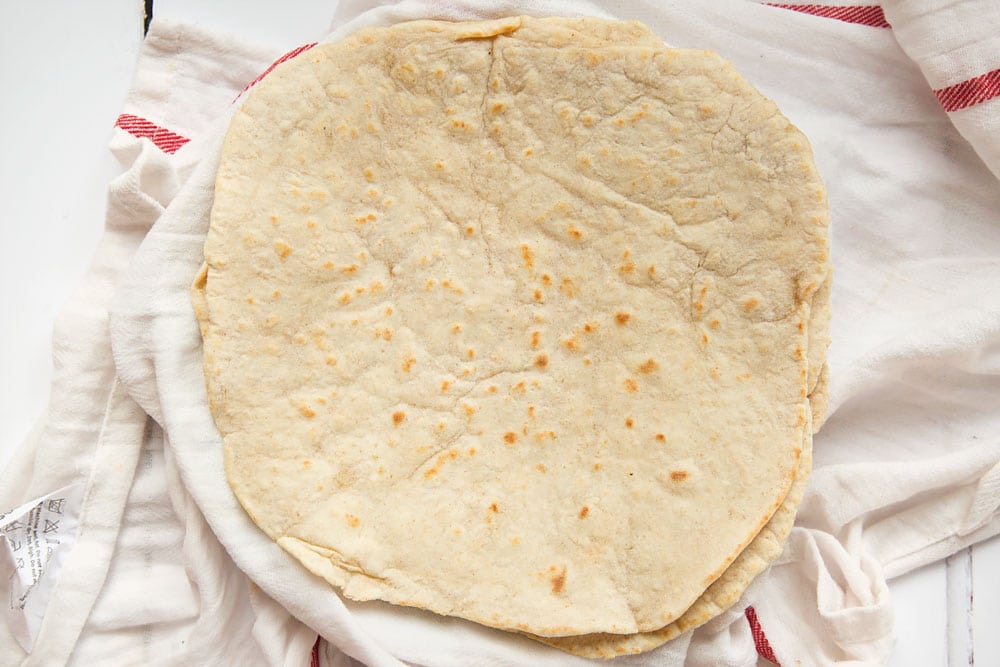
906 468
957 46
144 580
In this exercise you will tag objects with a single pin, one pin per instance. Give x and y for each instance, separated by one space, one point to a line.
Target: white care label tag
34 541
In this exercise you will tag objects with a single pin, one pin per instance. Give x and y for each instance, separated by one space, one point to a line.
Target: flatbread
513 324
720 596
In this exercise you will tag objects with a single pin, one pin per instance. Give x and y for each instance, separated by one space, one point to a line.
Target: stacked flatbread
520 321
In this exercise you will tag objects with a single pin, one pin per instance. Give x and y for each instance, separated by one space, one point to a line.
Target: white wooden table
65 68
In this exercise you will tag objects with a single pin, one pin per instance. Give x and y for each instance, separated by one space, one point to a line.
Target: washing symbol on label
12 526
50 526
56 505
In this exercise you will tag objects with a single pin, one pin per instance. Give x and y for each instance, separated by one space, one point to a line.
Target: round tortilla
516 321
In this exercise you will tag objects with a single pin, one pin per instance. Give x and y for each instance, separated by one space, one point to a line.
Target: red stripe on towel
288 56
314 660
970 92
763 646
167 141
870 15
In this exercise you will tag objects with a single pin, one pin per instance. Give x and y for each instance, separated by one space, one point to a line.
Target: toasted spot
470 230
704 338
345 298
369 175
497 107
567 287
629 423
535 339
515 540
494 508
649 366
588 327
542 360
531 410
750 304
527 256
631 385
714 372
541 468
660 437
444 385
331 360
353 268
570 343
714 323
472 451
574 233
538 295
596 467
470 353
626 267
352 520
408 364
546 279
510 437
306 411
455 328
283 249
622 318
398 416
584 511
469 409
678 475
558 578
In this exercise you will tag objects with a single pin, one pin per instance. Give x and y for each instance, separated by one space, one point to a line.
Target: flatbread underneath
520 332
